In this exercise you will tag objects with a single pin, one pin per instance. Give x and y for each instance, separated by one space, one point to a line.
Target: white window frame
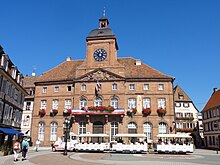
43 104
98 101
53 131
162 128
146 103
161 102
82 103
68 104
146 87
147 127
56 89
114 102
55 104
160 87
131 87
132 103
41 131
44 89
82 127
114 130
114 86
83 87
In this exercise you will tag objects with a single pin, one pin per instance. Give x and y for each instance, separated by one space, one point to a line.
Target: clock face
100 55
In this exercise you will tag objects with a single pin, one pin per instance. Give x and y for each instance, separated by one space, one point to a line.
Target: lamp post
66 126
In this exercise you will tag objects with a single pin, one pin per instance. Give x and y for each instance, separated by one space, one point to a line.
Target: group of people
23 148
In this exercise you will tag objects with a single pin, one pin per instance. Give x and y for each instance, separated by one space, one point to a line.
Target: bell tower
101 48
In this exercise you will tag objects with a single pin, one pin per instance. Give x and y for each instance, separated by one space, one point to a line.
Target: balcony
186 130
100 110
185 118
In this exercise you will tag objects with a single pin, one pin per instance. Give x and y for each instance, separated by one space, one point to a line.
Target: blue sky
180 38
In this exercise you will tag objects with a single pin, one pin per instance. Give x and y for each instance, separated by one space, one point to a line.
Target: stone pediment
100 74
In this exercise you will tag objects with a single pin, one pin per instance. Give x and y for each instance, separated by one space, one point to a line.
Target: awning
10 131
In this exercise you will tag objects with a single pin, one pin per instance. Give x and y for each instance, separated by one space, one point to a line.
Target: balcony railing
185 118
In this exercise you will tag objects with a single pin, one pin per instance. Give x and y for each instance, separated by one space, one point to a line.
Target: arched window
83 103
148 130
53 131
132 127
162 128
114 130
41 130
98 101
114 102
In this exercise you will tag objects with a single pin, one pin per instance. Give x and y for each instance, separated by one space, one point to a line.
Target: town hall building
102 94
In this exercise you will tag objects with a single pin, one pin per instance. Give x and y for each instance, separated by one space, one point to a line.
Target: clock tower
101 50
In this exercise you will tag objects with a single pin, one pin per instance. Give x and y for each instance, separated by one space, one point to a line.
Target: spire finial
104 12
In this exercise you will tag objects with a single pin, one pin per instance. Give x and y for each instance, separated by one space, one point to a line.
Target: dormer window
4 62
14 71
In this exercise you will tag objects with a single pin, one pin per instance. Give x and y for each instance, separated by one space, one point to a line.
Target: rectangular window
44 89
82 127
178 104
146 86
186 105
55 104
56 89
28 105
43 104
131 103
146 102
161 102
83 87
68 104
160 87
114 87
69 88
131 87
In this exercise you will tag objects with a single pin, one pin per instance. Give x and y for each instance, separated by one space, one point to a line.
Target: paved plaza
46 157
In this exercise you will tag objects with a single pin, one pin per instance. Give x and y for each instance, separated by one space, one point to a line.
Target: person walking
16 150
24 146
37 145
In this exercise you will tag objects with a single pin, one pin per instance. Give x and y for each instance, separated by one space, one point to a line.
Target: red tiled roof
140 71
214 101
67 69
29 81
64 71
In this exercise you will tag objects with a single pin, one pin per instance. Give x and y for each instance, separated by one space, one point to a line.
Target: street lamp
66 126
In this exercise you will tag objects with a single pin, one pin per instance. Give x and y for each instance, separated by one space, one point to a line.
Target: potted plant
67 112
53 112
42 112
161 111
131 112
146 111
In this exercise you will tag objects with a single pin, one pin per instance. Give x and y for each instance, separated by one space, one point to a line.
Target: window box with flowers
146 111
67 112
53 112
185 130
99 108
131 112
161 111
42 112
